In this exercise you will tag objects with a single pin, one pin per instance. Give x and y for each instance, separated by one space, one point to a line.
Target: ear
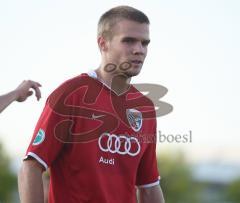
102 43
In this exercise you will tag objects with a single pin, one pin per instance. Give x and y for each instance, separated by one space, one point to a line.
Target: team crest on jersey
134 118
39 137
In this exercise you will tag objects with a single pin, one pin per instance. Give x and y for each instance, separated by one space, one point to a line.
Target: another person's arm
30 183
20 94
151 194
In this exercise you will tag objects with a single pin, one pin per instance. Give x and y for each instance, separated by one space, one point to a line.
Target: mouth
137 62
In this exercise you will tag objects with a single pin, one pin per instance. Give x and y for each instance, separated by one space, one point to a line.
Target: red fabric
82 171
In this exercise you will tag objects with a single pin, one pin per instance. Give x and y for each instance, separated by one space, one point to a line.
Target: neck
118 82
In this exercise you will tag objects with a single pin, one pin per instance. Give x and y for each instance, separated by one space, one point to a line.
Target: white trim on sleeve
150 184
37 158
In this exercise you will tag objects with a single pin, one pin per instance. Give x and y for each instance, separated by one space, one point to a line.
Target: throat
118 83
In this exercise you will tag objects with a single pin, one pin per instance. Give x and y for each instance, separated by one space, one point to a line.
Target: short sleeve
147 174
45 145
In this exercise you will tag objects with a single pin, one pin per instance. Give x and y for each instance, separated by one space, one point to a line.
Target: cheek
121 51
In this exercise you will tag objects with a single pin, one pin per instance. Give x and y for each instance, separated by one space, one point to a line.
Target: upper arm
30 183
151 194
30 166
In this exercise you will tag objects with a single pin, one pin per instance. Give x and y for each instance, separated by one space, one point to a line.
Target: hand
23 91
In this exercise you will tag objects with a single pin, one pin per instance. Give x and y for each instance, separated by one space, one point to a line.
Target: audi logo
119 144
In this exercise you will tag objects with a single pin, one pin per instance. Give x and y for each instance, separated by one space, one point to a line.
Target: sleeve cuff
150 184
35 156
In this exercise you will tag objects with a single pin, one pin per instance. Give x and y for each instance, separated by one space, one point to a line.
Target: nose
138 49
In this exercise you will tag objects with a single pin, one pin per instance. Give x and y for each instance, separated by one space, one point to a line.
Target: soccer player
97 132
20 94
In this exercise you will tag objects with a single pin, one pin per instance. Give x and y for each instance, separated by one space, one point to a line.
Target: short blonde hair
116 14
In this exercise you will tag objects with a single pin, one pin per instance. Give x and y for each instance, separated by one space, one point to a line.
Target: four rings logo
119 144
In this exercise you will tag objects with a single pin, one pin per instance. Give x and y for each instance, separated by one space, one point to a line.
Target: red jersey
98 145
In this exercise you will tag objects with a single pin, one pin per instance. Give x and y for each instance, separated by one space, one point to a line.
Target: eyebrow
133 39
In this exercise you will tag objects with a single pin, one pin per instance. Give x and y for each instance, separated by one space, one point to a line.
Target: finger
37 91
38 84
29 93
32 83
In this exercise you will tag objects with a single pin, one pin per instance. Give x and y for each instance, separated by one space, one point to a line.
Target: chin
132 73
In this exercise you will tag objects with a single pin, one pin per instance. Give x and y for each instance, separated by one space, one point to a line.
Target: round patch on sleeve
39 137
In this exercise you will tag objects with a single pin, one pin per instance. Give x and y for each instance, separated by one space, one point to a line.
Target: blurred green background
183 182
8 179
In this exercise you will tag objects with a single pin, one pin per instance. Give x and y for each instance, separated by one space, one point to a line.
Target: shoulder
73 82
70 87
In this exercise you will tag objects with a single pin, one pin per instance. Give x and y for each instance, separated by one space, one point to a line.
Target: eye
145 43
129 40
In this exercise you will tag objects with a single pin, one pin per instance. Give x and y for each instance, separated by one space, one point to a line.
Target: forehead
127 28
